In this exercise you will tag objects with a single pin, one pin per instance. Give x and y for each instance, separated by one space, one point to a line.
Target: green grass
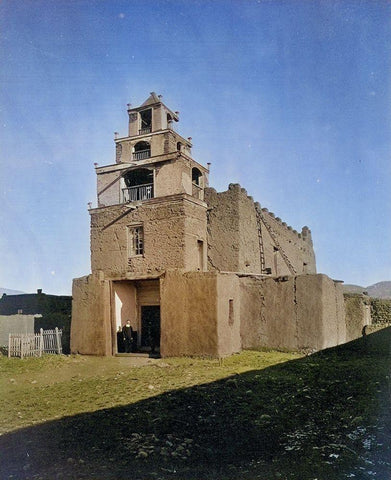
266 415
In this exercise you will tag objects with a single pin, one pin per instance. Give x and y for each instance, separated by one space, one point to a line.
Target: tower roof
153 99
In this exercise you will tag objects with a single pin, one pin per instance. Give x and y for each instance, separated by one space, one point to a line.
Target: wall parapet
239 224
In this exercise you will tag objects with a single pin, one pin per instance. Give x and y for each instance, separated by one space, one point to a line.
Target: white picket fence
34 344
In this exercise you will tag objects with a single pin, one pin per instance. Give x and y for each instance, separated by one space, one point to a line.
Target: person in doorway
120 340
127 332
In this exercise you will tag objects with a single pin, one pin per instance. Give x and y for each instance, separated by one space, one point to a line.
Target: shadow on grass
325 416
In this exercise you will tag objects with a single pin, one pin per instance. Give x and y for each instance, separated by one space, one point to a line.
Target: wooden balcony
137 193
141 155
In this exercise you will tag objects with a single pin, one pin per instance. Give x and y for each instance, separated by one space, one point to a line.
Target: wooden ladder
260 220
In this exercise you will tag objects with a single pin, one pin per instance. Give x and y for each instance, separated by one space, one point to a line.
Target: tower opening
196 179
196 176
145 121
141 150
139 185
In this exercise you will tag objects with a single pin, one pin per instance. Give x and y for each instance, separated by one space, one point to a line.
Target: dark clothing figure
120 341
127 332
153 338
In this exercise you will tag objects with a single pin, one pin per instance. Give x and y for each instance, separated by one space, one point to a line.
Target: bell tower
152 161
151 214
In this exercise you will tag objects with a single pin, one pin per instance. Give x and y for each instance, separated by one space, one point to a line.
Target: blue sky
291 99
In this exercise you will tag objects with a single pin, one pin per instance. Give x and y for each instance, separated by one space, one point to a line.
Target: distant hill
378 290
9 292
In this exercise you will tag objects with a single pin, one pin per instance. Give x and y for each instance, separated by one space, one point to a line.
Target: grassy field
257 415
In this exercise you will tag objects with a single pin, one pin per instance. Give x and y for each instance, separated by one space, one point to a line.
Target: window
136 241
141 151
196 176
139 185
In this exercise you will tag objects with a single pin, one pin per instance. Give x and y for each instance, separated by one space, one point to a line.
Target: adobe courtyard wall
195 319
304 312
172 226
91 329
357 314
234 240
228 315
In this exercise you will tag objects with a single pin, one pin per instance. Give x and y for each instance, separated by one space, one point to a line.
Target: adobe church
197 272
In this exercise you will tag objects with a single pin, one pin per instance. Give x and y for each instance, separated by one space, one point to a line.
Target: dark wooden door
150 326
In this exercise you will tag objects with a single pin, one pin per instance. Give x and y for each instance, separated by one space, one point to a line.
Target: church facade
197 272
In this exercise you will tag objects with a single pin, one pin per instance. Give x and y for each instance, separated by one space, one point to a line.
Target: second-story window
136 240
142 150
145 121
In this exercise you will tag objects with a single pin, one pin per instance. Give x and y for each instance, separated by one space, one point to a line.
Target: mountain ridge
377 290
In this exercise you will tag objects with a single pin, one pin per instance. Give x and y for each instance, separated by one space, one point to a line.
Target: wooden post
41 342
58 340
9 345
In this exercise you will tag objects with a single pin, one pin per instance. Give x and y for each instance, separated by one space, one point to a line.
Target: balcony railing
140 155
137 193
144 130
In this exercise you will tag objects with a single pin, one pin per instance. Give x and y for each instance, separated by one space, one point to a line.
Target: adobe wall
357 314
228 315
298 247
176 176
302 312
15 324
195 314
124 304
108 186
91 329
233 236
223 230
171 225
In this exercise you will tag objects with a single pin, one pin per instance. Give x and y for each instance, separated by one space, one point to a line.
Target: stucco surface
357 315
321 322
170 225
124 304
234 239
268 313
303 312
91 329
188 314
223 230
228 315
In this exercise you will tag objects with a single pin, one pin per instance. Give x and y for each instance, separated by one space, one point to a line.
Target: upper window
142 150
145 121
196 176
139 185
